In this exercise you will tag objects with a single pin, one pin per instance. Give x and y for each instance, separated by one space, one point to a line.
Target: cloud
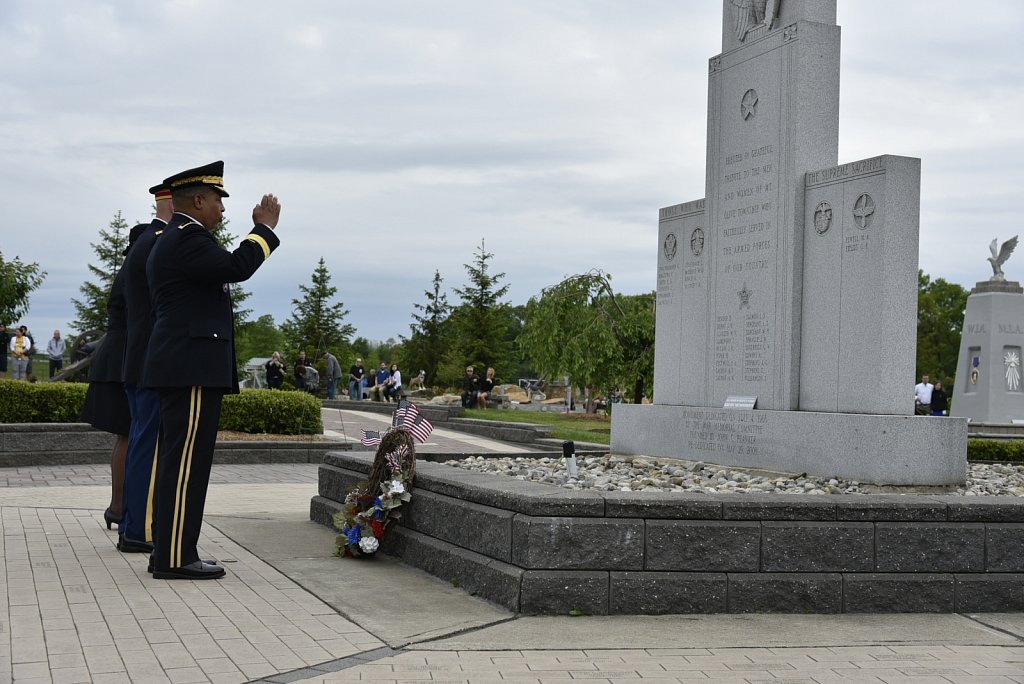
399 134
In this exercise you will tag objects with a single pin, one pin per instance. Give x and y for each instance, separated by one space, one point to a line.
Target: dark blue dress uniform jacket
192 343
140 313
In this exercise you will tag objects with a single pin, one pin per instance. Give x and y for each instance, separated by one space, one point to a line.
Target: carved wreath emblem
669 246
745 297
823 218
697 241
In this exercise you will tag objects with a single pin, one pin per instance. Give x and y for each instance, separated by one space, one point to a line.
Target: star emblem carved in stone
748 105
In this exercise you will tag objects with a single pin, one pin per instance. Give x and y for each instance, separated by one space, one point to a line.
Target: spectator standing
55 349
486 387
19 346
379 390
31 350
275 371
940 402
5 345
299 371
923 397
393 390
470 388
333 374
356 375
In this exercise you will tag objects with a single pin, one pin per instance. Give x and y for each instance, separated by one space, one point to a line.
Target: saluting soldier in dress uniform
137 521
191 355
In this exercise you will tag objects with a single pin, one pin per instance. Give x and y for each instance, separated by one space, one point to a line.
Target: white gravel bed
611 473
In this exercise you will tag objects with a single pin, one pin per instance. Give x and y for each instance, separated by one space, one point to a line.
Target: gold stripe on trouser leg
149 496
184 468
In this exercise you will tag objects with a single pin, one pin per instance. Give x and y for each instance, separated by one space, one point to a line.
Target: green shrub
995 450
41 402
271 411
259 411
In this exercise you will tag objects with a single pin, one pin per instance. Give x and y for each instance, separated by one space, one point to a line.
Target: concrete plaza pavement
74 609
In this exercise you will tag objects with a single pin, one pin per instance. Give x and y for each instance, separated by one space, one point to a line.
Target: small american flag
369 438
408 416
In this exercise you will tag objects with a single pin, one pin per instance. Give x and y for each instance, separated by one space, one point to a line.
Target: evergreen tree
17 281
316 322
92 308
428 343
481 321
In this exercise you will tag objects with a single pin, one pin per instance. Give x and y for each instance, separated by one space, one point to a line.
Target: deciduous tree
582 328
17 281
940 319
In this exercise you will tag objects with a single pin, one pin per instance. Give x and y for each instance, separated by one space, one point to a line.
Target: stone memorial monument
791 287
988 387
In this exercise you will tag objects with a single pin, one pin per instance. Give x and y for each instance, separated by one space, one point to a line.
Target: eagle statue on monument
753 14
999 258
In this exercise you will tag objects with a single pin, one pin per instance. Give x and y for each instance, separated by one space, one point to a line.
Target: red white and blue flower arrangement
370 507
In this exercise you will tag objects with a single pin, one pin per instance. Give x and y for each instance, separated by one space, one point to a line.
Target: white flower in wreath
368 544
396 487
1012 362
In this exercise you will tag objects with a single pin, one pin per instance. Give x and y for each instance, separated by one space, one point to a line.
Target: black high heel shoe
111 519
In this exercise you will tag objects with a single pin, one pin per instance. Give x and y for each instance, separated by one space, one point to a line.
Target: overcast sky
399 134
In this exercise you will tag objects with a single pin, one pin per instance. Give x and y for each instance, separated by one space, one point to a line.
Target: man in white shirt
923 397
55 349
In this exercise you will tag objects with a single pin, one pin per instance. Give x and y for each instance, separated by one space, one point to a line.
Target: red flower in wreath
378 529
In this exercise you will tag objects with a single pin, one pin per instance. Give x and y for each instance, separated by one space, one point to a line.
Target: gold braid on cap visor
206 180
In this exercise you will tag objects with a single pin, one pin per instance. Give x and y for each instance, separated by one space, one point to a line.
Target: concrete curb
41 444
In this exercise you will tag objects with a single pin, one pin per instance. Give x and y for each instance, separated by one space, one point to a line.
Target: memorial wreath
370 507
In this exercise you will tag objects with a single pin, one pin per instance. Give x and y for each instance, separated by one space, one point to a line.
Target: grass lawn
578 427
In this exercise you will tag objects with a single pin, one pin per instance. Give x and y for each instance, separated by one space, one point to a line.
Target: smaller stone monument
989 387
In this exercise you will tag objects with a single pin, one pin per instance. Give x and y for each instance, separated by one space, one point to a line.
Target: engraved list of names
746 270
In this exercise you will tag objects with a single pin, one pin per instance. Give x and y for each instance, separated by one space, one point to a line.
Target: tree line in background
578 328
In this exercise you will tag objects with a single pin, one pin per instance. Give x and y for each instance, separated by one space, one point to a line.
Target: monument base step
885 450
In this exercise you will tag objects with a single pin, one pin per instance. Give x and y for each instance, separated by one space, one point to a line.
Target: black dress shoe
208 561
111 518
194 571
125 545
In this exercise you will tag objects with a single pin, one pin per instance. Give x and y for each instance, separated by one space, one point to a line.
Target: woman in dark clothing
940 402
106 404
486 387
275 371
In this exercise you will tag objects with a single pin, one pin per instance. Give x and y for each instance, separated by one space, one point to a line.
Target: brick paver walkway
74 609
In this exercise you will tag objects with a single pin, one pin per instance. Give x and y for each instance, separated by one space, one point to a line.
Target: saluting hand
267 212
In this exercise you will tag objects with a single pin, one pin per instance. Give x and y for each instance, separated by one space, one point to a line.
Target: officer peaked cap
211 175
160 191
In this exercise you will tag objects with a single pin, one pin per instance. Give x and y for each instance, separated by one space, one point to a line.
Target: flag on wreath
408 416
